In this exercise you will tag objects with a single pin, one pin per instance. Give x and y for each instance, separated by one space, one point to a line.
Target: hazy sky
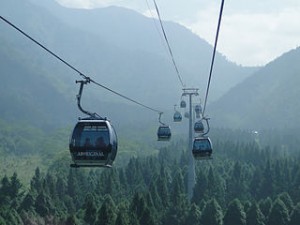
253 32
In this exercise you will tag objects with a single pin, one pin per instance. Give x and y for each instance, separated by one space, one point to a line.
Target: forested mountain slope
252 179
118 47
267 99
244 184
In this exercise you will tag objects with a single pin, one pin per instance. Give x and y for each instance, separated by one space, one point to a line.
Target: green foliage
147 185
9 216
235 213
125 216
295 215
194 215
152 190
255 216
107 213
265 205
279 214
90 215
266 91
286 199
212 213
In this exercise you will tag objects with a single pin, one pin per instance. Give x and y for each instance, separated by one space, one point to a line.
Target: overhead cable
156 27
168 44
213 56
76 70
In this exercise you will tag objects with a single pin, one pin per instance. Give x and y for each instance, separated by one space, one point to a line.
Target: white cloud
250 38
88 4
252 33
75 3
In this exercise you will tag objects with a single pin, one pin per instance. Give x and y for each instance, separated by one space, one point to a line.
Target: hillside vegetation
254 177
267 99
117 47
243 184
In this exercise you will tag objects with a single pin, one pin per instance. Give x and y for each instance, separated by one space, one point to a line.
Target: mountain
267 99
132 31
117 47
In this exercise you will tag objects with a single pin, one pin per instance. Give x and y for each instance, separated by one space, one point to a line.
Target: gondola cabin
202 148
199 127
164 133
187 115
93 143
177 117
182 104
198 109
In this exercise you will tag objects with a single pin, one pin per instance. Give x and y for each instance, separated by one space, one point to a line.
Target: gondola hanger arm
82 83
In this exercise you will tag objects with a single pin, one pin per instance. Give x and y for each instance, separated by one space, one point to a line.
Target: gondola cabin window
92 136
98 136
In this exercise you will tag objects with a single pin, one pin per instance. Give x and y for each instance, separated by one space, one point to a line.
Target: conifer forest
248 182
143 149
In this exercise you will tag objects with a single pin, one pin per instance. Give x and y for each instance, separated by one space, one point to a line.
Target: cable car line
127 98
202 145
42 46
168 44
76 70
164 131
157 28
213 56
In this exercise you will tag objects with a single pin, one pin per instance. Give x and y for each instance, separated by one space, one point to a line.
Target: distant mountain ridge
129 59
267 99
132 31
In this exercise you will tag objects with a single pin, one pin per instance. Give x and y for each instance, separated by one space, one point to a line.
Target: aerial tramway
202 145
93 142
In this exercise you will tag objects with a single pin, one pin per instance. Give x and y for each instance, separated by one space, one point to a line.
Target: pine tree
72 220
15 187
295 215
4 191
124 216
28 203
235 213
111 183
10 191
265 206
50 185
194 215
285 197
36 183
212 213
236 186
107 214
10 216
90 214
73 188
255 183
43 205
200 190
61 187
255 216
267 186
134 175
123 180
141 209
279 214
162 186
91 179
157 202
178 210
147 218
215 186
